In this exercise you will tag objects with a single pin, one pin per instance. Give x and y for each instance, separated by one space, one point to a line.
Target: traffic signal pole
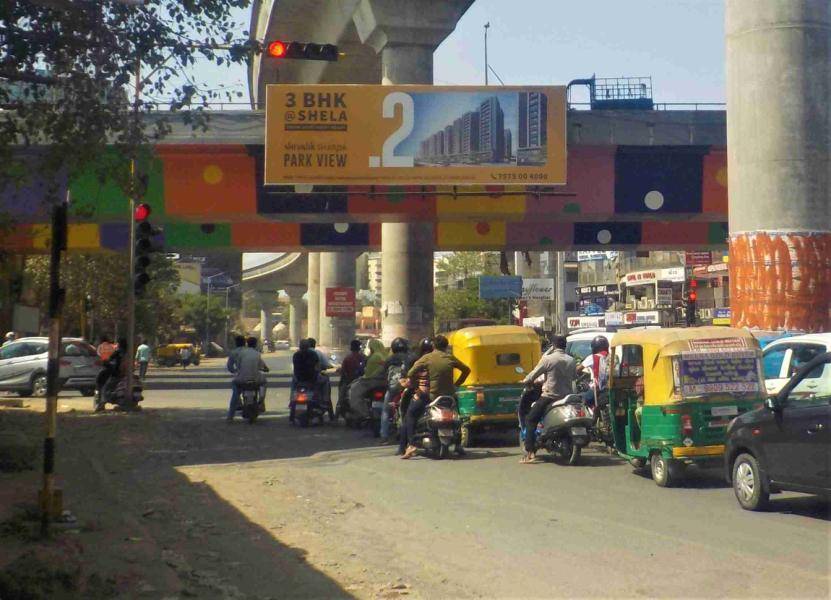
131 296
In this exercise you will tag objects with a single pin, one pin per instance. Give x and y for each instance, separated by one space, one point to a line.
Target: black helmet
425 346
399 344
599 344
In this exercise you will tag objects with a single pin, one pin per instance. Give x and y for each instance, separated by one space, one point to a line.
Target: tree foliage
68 75
105 279
198 312
461 299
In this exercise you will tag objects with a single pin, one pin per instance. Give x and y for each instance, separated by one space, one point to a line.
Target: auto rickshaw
673 392
168 355
499 357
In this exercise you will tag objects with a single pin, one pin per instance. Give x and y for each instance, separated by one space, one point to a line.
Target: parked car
783 357
785 445
23 366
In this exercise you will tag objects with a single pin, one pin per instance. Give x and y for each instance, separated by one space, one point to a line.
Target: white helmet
10 336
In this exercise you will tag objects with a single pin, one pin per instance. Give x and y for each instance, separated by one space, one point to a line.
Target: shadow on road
804 506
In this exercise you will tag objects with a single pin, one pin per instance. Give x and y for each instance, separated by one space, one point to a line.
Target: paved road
367 523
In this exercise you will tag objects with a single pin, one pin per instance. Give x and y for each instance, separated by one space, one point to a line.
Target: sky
679 43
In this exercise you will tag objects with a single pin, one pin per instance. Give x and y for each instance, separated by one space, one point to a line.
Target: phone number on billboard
520 176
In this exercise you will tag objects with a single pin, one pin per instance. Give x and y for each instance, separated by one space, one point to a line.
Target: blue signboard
493 288
721 313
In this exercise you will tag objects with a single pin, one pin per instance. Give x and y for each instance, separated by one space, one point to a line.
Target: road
270 510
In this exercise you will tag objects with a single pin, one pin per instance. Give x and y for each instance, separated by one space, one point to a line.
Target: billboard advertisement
492 287
538 289
415 135
340 302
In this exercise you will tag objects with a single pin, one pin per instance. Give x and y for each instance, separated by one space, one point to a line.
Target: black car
786 445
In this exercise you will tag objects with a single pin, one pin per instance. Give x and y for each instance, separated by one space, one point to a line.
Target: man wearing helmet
597 363
10 337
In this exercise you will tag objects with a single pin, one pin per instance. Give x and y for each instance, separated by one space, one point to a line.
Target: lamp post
227 318
207 313
487 26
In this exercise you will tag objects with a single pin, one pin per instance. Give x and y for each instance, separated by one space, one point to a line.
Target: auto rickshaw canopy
658 346
496 354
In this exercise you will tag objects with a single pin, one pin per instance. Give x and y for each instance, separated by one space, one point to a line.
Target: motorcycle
564 429
373 404
307 405
439 428
114 391
251 404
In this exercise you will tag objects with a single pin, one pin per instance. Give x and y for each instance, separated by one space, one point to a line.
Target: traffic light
143 248
302 51
692 296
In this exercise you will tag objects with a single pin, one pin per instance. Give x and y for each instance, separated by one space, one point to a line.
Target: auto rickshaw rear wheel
467 436
665 471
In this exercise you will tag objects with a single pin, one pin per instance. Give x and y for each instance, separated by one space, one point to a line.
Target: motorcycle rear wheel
443 452
569 452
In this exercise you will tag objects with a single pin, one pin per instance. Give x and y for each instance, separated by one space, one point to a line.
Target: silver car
23 366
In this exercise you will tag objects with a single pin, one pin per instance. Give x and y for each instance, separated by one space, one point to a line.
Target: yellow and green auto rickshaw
499 357
674 391
169 355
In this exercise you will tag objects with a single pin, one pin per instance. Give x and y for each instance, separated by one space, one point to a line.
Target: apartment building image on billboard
481 128
533 128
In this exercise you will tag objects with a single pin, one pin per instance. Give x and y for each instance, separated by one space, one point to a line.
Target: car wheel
747 483
39 385
660 468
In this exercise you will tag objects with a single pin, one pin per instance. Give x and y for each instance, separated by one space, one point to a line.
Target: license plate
578 431
724 411
300 408
377 404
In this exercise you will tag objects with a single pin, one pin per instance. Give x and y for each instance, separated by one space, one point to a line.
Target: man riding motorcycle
305 370
598 364
395 367
233 367
324 385
373 377
560 371
114 371
250 366
412 386
439 365
351 368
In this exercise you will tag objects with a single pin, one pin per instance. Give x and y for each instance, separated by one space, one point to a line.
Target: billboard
340 302
538 289
416 135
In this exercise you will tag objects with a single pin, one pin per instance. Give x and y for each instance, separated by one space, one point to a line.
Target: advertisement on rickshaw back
719 372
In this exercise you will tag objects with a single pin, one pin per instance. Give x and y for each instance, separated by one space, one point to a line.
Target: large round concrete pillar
406 248
296 310
337 270
313 297
406 34
778 143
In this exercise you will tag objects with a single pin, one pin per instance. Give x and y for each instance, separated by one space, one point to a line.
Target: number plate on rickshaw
578 431
724 411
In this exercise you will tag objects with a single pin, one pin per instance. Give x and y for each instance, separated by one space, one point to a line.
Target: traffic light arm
302 51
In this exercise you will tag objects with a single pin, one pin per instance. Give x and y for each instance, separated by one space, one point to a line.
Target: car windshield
579 349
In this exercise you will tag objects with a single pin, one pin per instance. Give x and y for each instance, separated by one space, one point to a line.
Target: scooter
564 430
373 404
307 405
251 403
439 428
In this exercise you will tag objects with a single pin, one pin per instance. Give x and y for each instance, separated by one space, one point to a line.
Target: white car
579 344
783 358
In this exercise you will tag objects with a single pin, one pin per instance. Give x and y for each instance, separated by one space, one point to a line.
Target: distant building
457 136
509 152
448 141
470 133
491 131
533 128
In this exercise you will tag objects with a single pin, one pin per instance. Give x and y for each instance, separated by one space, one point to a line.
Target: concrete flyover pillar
313 298
406 34
266 300
296 310
778 143
337 269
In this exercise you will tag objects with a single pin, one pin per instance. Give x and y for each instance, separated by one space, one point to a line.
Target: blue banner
493 288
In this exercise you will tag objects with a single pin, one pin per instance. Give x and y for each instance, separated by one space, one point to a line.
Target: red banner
340 302
699 259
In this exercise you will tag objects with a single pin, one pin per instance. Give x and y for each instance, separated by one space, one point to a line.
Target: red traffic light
277 49
693 283
142 212
692 296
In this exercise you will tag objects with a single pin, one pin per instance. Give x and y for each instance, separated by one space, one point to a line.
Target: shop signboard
698 259
664 297
721 316
340 302
415 135
495 287
585 322
538 289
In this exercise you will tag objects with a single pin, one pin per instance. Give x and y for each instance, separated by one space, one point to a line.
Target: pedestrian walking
184 355
143 358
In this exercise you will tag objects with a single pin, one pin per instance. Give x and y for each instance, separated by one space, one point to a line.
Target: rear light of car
686 425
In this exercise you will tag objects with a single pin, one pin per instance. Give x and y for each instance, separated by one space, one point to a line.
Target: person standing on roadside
143 358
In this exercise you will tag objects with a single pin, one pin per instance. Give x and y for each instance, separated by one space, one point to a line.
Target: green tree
105 278
68 71
197 312
461 299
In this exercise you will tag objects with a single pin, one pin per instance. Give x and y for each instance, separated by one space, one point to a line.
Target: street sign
494 287
340 302
538 289
416 135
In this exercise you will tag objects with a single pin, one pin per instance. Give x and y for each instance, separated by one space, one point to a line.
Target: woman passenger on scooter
420 384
